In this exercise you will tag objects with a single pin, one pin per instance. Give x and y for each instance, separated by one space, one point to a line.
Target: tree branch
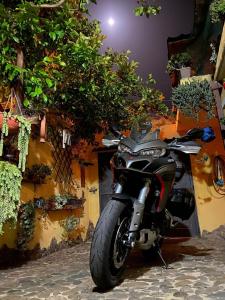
61 2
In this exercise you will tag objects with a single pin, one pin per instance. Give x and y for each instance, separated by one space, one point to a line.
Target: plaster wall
48 225
210 204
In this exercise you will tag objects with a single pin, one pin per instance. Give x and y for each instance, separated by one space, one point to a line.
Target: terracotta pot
12 123
43 130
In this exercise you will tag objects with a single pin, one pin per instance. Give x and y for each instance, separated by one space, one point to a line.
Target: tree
49 53
147 8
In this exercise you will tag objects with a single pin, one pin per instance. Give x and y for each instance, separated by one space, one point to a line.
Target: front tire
108 252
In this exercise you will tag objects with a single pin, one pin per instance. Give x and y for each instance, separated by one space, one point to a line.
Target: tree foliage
217 11
63 68
147 8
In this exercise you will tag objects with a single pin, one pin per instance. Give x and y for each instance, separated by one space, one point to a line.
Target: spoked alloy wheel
120 251
108 251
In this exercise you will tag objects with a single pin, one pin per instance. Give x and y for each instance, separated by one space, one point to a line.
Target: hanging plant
10 185
23 136
5 132
23 140
26 225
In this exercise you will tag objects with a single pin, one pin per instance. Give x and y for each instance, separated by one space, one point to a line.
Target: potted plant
37 173
192 97
24 126
180 61
217 11
12 123
10 185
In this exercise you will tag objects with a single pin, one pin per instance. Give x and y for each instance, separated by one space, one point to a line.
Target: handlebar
116 132
205 134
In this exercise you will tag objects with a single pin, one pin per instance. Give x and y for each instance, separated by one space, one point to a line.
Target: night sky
145 37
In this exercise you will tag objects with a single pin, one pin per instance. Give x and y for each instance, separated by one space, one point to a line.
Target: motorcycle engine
181 204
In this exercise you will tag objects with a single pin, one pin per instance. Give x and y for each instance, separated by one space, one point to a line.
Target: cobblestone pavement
197 271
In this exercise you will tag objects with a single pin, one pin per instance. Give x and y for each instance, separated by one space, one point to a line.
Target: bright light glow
111 21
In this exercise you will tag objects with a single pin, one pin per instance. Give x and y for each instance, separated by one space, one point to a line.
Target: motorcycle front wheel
108 251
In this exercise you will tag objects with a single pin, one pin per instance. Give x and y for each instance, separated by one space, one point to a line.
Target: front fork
138 212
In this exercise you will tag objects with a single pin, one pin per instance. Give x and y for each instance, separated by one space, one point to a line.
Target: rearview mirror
110 143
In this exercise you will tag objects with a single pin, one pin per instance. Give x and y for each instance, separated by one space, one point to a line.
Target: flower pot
12 123
185 72
43 130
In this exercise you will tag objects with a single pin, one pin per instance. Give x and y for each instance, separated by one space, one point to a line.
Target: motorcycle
145 203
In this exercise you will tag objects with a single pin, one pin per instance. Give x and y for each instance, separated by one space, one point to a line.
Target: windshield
142 132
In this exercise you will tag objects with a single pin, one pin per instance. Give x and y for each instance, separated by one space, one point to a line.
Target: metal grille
62 161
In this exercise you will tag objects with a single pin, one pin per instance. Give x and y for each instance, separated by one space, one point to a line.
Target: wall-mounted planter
12 123
51 205
37 173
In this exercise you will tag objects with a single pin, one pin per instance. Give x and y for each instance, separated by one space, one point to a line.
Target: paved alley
197 271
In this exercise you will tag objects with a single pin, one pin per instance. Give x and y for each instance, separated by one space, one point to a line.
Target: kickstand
165 265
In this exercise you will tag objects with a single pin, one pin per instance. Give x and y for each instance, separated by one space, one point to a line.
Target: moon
111 22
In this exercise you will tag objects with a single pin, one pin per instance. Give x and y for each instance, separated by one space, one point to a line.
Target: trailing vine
23 136
4 132
10 185
26 225
23 140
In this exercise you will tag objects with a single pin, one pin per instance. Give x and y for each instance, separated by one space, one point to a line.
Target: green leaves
49 82
64 69
10 184
178 61
56 34
217 11
194 96
52 35
146 9
26 225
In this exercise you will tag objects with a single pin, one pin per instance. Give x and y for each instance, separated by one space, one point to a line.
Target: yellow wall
47 225
210 204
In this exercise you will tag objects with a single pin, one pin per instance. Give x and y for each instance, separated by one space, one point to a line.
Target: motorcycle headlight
153 152
123 148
